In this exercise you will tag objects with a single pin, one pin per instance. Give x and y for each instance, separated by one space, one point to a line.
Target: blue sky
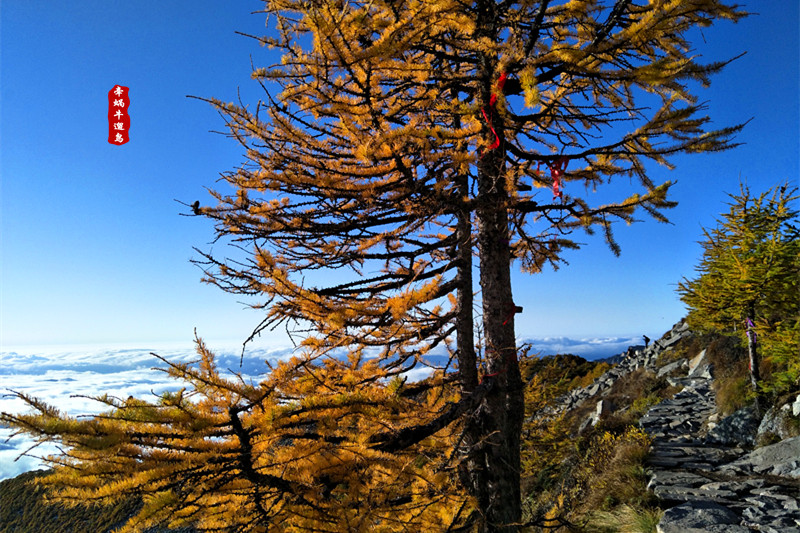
94 249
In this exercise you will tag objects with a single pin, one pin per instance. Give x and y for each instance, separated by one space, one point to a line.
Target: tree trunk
499 418
752 352
465 335
495 427
472 471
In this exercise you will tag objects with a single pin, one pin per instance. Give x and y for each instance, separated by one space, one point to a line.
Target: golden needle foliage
304 459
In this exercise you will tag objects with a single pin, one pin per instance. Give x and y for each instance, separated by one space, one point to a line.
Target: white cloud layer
64 377
588 348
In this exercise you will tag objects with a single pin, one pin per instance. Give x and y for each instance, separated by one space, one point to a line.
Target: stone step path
714 488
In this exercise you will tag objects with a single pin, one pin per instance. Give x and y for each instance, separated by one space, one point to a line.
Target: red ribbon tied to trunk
511 309
510 358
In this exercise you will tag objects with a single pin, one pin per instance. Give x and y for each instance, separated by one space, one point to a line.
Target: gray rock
700 517
671 367
635 351
796 406
697 361
681 327
670 477
603 408
769 529
777 422
738 429
695 465
781 459
681 382
686 495
785 502
738 487
704 372
665 343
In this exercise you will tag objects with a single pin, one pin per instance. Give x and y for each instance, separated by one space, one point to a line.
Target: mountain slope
23 510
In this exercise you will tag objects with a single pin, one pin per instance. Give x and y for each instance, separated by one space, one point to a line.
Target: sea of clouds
66 377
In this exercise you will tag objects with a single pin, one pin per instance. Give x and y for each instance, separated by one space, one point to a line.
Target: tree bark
472 467
752 352
465 336
498 420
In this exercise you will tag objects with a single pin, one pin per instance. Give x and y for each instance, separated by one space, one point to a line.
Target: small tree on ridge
748 281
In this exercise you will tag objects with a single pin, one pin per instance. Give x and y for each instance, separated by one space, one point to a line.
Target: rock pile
636 357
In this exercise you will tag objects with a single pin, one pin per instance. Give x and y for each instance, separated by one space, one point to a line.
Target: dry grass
613 471
731 379
632 395
733 392
725 351
624 519
638 384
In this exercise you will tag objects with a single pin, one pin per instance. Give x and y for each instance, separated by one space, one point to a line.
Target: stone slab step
700 517
677 494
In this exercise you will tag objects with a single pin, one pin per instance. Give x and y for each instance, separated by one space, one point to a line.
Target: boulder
700 517
678 331
781 459
738 429
778 424
704 372
603 408
796 406
671 367
697 361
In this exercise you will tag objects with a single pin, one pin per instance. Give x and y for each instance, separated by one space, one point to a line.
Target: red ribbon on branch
500 84
556 170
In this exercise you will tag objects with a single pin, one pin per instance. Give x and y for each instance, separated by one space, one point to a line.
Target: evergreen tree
395 136
748 281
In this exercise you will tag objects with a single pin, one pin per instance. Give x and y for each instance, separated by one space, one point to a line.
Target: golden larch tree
747 284
397 140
